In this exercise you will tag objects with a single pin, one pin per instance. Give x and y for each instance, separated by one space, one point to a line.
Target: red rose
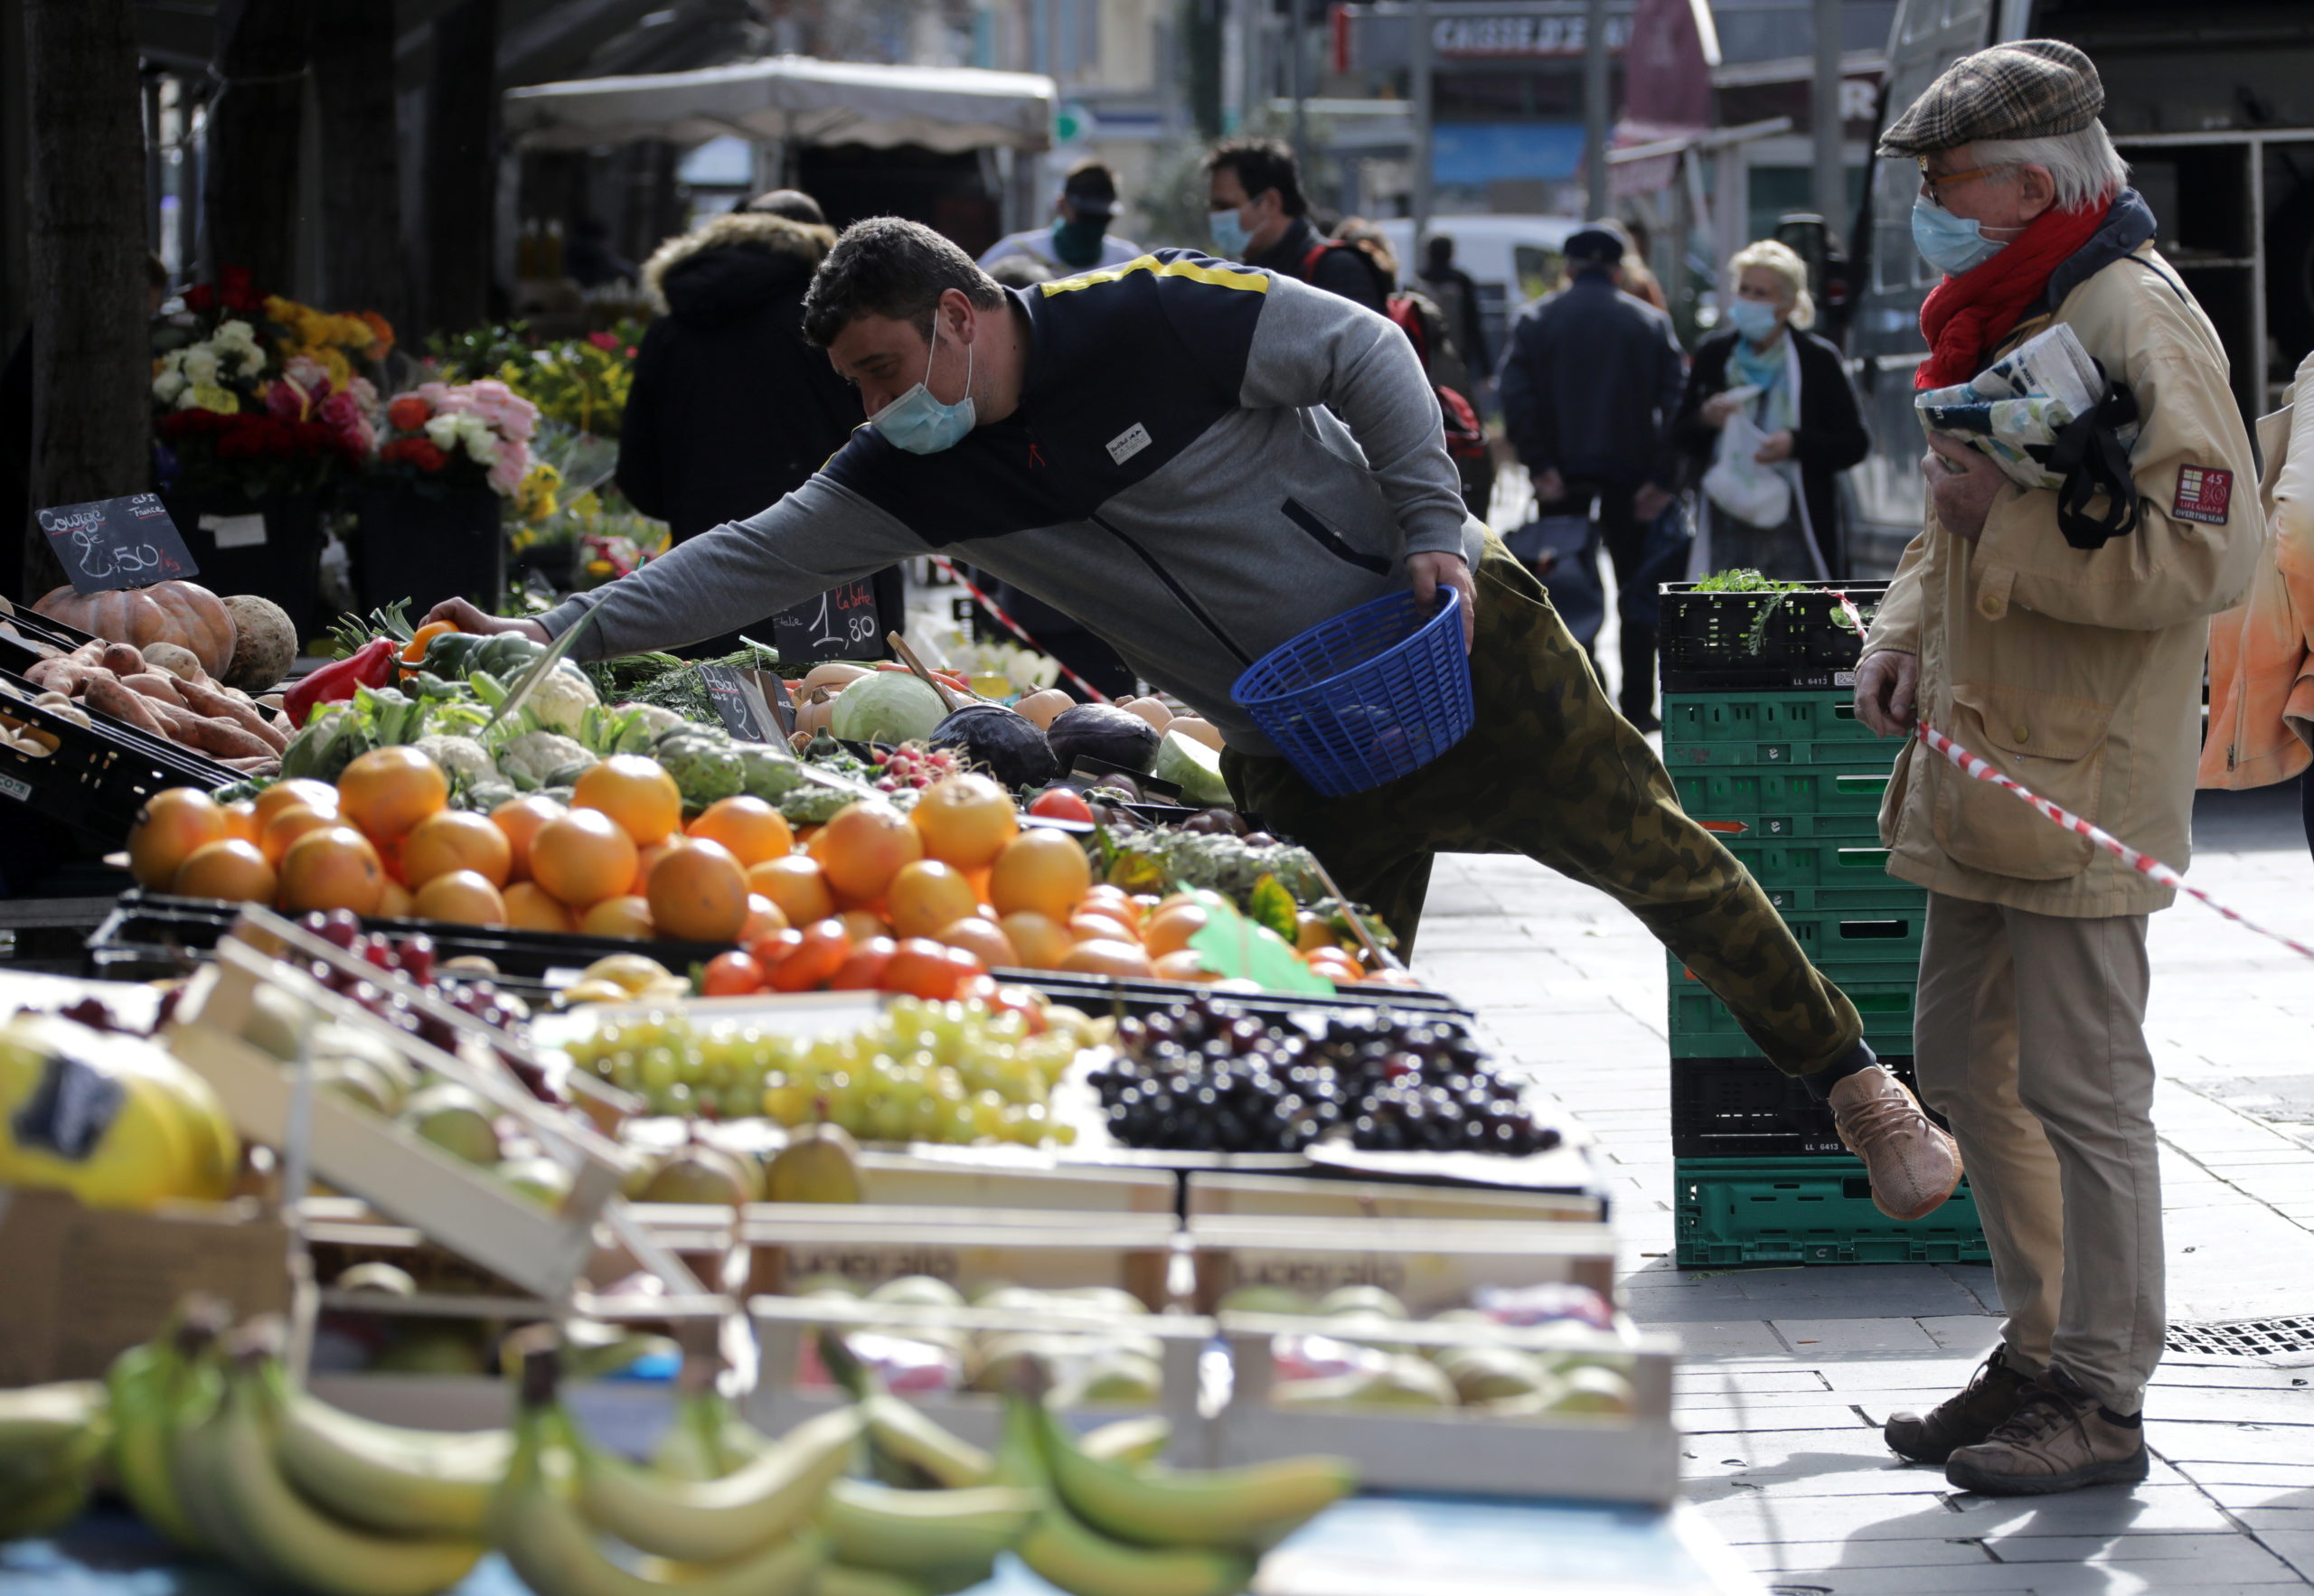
410 412
602 340
200 297
428 457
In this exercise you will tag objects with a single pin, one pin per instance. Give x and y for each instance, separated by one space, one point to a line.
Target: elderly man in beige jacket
2063 642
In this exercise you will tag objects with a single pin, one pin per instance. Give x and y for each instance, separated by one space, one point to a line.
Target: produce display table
1407 1545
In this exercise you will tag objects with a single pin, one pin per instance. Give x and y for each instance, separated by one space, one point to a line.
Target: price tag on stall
114 543
739 702
842 623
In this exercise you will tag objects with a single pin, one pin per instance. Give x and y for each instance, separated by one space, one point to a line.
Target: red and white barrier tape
1015 628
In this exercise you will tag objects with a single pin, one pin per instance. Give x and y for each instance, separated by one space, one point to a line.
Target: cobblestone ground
1789 1372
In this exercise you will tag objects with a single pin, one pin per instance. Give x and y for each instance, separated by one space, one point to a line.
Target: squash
183 613
1044 706
265 644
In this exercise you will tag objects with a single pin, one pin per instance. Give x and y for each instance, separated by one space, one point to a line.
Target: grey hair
1784 262
2083 164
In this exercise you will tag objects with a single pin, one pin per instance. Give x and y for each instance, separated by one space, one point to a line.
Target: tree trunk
461 164
91 351
253 139
353 69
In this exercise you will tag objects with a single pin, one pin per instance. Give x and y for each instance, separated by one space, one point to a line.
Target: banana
33 1507
193 1426
1247 1509
923 1533
836 1579
381 1476
536 1522
38 1421
146 1383
901 1433
707 1440
1133 1442
715 1520
298 1543
1084 1563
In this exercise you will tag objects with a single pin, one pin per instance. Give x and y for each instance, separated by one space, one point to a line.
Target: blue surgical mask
1230 235
922 425
1753 318
1951 244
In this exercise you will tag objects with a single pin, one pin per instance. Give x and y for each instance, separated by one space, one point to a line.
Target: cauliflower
655 719
562 698
457 757
529 760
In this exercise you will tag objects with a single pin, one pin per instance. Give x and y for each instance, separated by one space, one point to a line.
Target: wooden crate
1285 1198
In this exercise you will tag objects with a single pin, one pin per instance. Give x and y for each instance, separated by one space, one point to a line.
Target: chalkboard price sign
114 543
842 623
752 704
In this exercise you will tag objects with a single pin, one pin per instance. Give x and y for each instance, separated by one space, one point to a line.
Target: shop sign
1468 38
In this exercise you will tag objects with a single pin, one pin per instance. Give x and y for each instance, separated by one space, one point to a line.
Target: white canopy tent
791 101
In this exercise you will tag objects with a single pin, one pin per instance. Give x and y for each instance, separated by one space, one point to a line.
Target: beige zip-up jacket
2079 672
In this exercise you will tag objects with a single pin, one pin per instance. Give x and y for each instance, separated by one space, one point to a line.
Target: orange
582 857
699 893
984 938
862 848
455 840
388 791
1042 871
1101 899
1041 940
1168 931
396 904
1107 958
644 858
1183 964
173 823
1084 926
751 828
927 895
520 819
965 821
289 823
241 821
335 868
304 789
232 868
466 896
1311 933
635 792
864 924
763 918
529 908
796 886
624 916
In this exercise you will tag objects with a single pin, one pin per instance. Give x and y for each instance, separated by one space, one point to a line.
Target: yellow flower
586 505
340 373
210 397
598 567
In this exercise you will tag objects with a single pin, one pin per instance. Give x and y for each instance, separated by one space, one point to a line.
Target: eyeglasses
1933 184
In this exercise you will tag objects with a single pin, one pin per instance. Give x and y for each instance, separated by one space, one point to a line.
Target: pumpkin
183 613
265 644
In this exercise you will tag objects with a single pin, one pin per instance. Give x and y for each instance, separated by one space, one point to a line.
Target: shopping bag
1755 494
1573 581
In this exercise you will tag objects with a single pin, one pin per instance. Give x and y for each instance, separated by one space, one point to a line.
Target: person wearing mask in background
1456 294
1260 216
2064 648
1589 382
1798 396
730 408
1079 240
1427 326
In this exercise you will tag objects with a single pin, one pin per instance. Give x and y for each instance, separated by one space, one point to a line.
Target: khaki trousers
2029 1039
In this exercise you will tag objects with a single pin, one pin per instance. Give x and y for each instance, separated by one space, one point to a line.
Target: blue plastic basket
1376 693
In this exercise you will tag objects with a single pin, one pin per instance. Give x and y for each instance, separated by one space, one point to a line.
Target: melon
264 643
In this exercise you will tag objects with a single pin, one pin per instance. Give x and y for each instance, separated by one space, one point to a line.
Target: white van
1513 259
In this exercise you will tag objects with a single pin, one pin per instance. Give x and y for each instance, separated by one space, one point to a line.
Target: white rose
235 332
200 366
168 385
252 361
442 432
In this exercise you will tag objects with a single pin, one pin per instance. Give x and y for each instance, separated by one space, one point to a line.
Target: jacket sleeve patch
2203 495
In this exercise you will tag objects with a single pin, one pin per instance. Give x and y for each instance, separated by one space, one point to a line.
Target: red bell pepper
370 665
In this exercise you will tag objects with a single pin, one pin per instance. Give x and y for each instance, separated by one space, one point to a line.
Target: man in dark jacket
731 410
1260 216
1456 292
1589 383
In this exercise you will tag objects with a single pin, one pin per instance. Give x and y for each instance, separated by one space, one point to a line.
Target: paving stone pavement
1789 1373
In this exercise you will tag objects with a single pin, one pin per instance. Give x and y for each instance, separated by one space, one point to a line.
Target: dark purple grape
339 928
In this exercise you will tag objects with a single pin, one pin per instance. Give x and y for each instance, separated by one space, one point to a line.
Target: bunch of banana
50 1439
149 1385
112 1119
706 1439
1107 1528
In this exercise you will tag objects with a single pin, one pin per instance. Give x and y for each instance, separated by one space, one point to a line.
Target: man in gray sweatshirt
1202 461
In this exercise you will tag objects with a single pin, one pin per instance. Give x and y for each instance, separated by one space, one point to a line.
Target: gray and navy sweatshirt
1206 461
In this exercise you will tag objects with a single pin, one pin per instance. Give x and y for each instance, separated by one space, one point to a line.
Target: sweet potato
226 740
63 675
175 659
123 659
153 684
206 698
253 764
105 692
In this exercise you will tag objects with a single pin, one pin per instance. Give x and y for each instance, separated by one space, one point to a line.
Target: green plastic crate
1745 790
1869 942
1885 1002
1888 893
1802 861
1862 830
1879 755
1808 1210
1796 717
1888 1041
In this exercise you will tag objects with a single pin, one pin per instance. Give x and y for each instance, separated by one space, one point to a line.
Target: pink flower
285 402
339 410
602 340
307 373
505 476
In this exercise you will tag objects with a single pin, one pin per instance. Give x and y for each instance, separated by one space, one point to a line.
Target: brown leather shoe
1992 1395
1914 1166
2059 1439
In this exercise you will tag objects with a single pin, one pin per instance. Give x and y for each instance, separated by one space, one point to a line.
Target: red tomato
825 945
728 975
864 971
768 950
1061 804
921 968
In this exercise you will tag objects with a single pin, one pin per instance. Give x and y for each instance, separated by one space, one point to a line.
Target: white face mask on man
921 423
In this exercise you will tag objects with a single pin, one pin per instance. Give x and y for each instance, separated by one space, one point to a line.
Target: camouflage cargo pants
1552 772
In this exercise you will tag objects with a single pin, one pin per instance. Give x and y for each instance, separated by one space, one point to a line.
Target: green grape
961 1124
827 1054
891 1114
1064 1133
947 1086
675 1099
1030 1086
657 1067
1007 1027
1026 1123
988 1113
737 1103
625 1072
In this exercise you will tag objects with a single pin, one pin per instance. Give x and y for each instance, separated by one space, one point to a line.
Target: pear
1488 1373
1004 1355
275 1020
1372 1300
1114 1300
1263 1299
1404 1381
819 1164
383 1280
1116 1375
541 1179
698 1173
917 1290
1590 1389
455 1120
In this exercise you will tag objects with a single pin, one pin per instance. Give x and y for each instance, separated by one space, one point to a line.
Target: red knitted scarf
1966 317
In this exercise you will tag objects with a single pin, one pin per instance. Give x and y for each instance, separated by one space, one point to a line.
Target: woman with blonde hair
1785 393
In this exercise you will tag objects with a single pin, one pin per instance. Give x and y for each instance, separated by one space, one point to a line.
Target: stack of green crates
1790 782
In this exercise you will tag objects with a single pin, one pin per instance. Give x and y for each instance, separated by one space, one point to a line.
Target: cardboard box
1427 1264
1284 1196
78 1286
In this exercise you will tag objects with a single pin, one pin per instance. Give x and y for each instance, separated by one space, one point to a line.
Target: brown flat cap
2036 88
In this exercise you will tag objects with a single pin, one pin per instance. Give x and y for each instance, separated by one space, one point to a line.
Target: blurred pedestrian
1021 271
731 408
1427 326
2064 647
1637 276
1799 421
1077 239
1590 380
589 260
1260 216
